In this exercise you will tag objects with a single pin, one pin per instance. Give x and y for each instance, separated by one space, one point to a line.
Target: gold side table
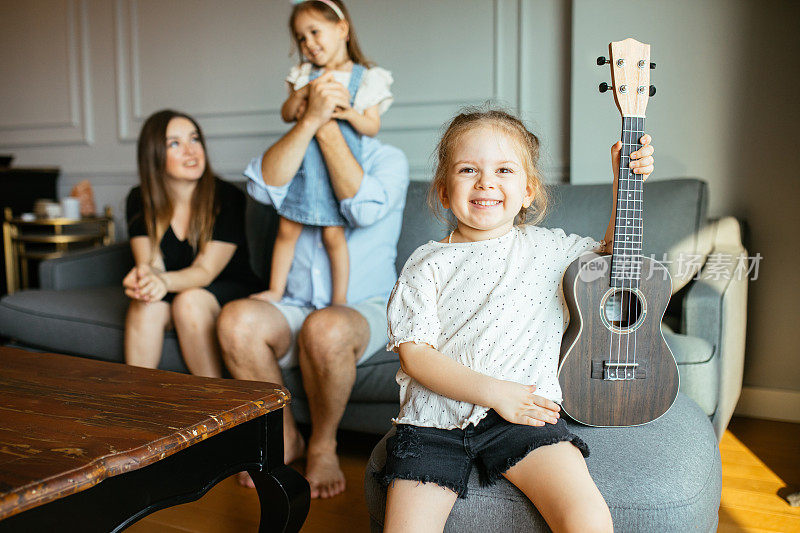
46 238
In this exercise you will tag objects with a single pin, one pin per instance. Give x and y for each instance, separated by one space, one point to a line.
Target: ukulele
615 367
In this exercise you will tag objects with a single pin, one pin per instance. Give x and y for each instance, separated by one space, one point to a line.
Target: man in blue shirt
259 337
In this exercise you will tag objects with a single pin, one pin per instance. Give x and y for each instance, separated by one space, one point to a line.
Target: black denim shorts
446 457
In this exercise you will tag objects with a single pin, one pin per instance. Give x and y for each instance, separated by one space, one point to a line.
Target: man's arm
282 160
345 172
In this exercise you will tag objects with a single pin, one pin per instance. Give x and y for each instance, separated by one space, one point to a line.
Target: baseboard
772 404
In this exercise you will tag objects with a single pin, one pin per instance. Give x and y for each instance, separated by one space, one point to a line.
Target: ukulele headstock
630 76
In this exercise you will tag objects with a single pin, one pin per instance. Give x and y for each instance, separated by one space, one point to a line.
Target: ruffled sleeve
298 75
411 311
573 245
374 90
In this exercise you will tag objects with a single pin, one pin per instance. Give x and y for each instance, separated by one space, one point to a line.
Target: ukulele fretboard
626 261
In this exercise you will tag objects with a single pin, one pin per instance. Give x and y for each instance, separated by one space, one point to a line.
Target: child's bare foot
324 475
294 446
267 296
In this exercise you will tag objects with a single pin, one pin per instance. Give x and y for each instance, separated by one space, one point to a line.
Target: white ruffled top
373 90
495 306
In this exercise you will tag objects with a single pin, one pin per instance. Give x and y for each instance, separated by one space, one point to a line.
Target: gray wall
81 75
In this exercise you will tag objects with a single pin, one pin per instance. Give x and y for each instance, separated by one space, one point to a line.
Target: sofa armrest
98 267
715 309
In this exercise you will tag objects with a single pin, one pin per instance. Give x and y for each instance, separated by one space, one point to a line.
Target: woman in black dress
186 229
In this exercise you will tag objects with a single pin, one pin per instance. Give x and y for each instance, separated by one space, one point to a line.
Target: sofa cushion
89 322
661 476
697 367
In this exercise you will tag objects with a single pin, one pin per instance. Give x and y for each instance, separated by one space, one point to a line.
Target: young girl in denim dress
477 321
328 45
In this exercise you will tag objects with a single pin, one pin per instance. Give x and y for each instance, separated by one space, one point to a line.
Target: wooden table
94 446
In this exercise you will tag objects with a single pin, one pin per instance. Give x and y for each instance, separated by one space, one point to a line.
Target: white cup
71 208
52 210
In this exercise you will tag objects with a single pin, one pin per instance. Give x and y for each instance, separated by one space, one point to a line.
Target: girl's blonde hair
353 48
157 204
505 123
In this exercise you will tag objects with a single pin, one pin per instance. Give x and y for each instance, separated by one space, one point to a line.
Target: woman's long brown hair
157 204
353 48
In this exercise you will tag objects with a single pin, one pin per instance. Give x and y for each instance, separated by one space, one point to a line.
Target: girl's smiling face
486 184
321 41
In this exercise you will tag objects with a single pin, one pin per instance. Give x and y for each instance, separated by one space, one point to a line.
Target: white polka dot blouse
495 306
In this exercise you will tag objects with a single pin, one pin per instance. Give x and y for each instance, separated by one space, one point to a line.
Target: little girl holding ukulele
329 50
477 321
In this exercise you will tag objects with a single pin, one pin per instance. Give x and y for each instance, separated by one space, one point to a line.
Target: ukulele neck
628 228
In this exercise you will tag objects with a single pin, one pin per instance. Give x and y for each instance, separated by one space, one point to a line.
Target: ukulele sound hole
622 310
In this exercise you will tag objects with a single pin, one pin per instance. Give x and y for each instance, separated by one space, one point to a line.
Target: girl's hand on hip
642 161
518 404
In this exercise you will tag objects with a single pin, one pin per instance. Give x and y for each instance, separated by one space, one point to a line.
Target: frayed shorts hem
387 479
446 457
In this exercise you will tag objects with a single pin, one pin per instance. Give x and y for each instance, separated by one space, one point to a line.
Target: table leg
284 498
283 494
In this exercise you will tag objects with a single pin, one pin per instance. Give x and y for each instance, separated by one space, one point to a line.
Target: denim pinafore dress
310 199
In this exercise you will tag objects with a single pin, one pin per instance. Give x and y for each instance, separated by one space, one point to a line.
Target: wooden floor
760 466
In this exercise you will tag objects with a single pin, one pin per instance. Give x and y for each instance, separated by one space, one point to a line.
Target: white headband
327 3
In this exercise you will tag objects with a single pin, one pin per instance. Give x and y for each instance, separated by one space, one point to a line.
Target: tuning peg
652 90
652 66
602 61
605 87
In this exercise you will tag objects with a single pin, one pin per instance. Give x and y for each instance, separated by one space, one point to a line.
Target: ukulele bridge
617 370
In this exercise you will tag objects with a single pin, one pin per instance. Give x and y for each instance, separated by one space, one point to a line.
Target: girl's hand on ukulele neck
642 161
518 404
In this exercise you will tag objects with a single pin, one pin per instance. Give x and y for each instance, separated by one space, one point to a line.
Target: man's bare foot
324 475
267 296
294 446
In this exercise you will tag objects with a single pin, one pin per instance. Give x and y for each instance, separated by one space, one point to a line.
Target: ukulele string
629 205
640 233
620 270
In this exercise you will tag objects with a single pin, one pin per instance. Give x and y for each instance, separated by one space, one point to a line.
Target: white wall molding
507 52
405 116
248 122
78 129
772 404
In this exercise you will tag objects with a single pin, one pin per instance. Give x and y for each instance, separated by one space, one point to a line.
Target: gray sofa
80 307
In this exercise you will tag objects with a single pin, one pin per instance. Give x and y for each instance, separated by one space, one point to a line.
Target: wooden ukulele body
616 370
